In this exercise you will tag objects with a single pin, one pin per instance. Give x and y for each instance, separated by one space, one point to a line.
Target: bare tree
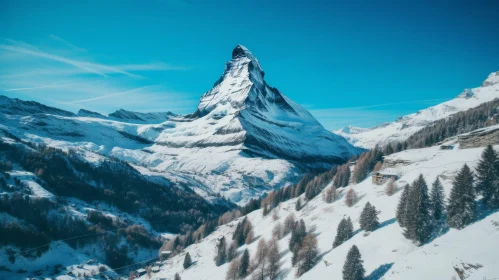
377 166
260 260
232 272
330 195
250 237
273 257
391 187
307 256
277 232
350 197
289 223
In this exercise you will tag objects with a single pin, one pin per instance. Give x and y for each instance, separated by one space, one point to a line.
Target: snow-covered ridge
405 126
129 116
245 137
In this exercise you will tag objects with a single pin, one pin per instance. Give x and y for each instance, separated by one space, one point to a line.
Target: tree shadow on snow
321 255
379 272
386 223
285 252
483 211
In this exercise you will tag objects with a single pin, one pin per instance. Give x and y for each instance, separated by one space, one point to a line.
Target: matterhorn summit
244 138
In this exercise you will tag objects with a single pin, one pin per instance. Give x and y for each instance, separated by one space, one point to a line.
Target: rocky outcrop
480 137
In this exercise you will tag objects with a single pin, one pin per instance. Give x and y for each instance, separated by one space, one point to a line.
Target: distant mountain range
405 126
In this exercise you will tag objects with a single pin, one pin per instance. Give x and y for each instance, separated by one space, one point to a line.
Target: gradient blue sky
349 62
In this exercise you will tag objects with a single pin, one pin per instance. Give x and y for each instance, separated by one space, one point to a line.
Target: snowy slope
386 253
405 126
244 139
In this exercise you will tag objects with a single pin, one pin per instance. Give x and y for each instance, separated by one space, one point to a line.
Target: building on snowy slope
140 272
381 177
446 147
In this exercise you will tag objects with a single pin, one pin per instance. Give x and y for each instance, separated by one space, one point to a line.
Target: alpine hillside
405 126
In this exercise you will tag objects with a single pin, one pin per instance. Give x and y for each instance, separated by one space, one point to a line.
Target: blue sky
348 62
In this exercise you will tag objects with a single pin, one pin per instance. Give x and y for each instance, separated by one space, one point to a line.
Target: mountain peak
241 51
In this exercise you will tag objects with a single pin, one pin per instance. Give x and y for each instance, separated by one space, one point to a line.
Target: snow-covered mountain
245 137
405 126
385 252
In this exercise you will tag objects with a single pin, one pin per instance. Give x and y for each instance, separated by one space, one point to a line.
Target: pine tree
298 204
353 269
221 256
339 238
344 232
187 260
488 177
177 277
418 222
349 229
232 251
461 205
244 264
369 218
238 236
401 207
303 229
297 235
437 200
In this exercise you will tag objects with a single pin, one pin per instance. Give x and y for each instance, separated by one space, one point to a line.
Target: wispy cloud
41 87
99 69
70 77
105 96
66 43
366 115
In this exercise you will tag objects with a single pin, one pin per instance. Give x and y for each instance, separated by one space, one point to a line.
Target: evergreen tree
238 236
176 243
353 269
232 251
296 238
369 218
437 200
244 264
303 229
349 229
177 277
187 260
401 207
461 205
221 256
418 222
298 204
488 177
344 232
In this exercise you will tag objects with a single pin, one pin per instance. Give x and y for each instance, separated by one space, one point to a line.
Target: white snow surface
385 251
244 139
405 126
